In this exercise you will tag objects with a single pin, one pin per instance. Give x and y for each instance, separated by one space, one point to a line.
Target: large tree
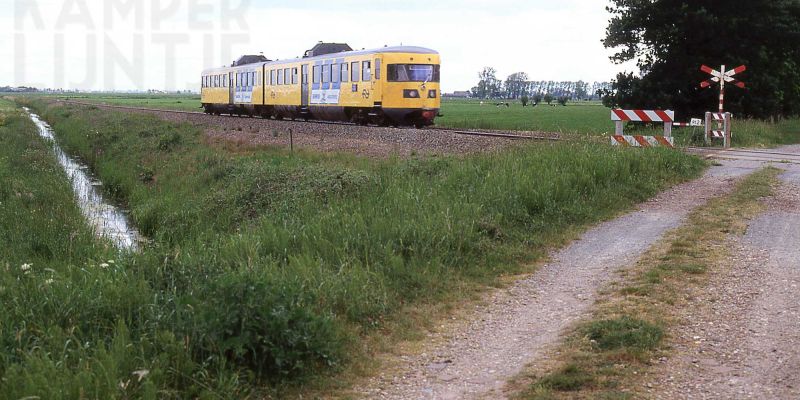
670 39
516 85
488 86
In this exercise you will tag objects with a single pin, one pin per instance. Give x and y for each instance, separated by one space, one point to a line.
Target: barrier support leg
728 130
618 129
708 128
667 129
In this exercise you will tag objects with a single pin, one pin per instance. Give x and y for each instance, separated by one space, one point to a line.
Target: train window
305 74
354 71
366 74
253 79
224 81
412 73
294 76
326 73
335 74
345 74
272 77
287 76
317 74
280 77
377 69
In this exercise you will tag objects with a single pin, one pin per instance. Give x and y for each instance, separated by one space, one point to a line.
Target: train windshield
413 73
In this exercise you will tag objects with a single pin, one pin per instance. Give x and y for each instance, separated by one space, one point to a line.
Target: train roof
388 49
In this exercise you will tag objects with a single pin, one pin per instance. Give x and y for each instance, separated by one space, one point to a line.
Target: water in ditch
107 220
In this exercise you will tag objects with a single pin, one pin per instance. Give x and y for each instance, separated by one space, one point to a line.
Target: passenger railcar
387 86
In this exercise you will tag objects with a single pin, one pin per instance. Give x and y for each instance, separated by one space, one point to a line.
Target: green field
180 102
578 118
269 270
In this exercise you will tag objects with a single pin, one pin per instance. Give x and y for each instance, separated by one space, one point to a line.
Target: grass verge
605 356
269 269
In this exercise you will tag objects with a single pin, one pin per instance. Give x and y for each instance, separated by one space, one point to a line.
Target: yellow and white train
387 86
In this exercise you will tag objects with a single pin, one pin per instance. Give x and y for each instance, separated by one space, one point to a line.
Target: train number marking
365 94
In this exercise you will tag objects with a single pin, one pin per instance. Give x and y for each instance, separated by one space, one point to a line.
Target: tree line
519 86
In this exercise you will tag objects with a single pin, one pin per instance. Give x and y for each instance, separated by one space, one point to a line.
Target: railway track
746 155
480 133
714 153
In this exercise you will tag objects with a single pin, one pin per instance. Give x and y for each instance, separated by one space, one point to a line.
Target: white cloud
548 40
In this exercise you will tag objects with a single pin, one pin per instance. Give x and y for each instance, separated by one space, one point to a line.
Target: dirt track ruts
740 334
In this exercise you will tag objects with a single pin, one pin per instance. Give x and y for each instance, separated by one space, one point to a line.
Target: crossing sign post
722 77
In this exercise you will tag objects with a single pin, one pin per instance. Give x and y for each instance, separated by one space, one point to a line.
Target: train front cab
411 89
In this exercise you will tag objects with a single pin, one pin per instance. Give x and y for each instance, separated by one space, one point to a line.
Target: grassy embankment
607 355
576 119
267 268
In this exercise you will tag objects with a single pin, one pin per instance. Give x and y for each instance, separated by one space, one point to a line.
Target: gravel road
740 335
518 325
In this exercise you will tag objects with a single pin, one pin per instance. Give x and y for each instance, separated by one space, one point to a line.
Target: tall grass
265 267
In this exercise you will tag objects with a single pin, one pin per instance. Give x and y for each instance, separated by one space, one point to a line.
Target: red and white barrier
667 117
642 141
643 115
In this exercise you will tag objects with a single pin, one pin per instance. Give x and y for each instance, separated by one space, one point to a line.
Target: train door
375 67
231 88
304 86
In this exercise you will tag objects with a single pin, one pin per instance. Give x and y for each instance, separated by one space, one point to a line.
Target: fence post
618 130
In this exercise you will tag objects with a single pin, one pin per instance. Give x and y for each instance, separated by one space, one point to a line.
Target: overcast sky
164 44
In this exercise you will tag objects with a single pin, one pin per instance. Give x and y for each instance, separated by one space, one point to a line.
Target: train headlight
431 94
411 94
